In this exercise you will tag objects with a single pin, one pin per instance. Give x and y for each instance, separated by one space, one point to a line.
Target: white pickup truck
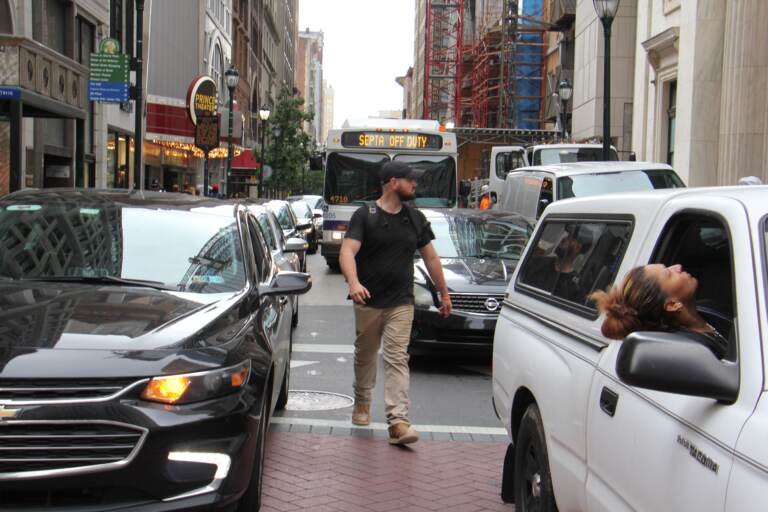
656 422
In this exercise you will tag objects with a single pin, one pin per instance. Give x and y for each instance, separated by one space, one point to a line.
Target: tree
289 147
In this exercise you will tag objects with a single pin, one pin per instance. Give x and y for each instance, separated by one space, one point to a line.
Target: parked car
529 190
658 421
318 205
144 347
285 253
289 223
479 250
305 216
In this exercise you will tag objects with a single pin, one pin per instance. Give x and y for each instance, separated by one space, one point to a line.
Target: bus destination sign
392 140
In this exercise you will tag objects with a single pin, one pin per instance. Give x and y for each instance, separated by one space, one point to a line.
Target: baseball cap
395 169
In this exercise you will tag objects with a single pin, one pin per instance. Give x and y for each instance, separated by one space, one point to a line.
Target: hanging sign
202 98
207 132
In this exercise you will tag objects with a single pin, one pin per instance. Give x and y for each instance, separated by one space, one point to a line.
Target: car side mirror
304 225
317 214
676 362
296 245
287 283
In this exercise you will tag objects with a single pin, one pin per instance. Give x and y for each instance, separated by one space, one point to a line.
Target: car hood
473 275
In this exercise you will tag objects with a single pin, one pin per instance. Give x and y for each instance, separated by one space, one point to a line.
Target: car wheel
251 500
533 481
313 245
282 398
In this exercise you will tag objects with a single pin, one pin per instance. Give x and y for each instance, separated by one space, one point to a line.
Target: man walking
377 261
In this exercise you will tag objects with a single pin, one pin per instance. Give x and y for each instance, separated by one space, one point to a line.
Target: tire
333 264
295 316
533 481
251 500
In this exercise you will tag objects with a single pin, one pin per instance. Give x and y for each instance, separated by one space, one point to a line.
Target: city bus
355 153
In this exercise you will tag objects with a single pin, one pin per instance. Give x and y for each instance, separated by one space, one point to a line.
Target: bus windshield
353 178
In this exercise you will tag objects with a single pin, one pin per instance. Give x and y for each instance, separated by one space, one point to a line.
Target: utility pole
139 113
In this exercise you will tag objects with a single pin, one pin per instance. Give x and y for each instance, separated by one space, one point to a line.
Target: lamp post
606 11
232 77
565 90
264 116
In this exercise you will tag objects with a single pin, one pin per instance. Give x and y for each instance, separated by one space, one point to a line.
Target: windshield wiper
157 285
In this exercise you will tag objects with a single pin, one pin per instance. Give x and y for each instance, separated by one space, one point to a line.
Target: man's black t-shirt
385 259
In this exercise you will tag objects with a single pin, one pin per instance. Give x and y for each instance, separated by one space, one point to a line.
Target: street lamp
232 77
264 116
565 89
606 11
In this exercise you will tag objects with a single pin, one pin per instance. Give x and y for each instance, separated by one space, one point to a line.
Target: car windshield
196 250
301 209
353 178
475 237
548 156
314 202
583 185
283 216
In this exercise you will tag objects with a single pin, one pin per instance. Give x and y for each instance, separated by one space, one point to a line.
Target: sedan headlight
198 386
422 296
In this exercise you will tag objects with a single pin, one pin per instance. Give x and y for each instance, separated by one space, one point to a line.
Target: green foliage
288 147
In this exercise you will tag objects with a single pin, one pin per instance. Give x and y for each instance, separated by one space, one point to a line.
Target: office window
671 121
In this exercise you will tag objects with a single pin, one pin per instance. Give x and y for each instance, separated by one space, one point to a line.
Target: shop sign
207 132
10 93
202 98
108 73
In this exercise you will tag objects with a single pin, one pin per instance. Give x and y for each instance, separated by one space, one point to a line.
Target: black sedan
479 251
144 343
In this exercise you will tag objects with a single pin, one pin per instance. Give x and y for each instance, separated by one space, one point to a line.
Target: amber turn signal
167 390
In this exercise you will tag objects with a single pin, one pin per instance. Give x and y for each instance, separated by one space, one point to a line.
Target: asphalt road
444 391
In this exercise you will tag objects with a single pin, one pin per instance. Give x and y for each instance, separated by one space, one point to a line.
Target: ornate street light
264 116
606 11
565 90
232 77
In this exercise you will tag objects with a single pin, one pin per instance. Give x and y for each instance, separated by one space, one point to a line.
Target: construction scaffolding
443 59
507 65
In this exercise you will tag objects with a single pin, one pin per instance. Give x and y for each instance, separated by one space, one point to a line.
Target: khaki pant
392 327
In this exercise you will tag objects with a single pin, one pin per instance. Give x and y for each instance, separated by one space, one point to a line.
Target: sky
367 44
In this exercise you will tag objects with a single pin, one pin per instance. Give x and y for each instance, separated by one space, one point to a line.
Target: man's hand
445 305
359 293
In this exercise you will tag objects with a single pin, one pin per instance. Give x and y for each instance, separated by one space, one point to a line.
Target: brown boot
361 415
402 433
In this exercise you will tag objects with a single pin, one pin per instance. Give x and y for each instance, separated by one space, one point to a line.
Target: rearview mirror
296 245
676 362
287 283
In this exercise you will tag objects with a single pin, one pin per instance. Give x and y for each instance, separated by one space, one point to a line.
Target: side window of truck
701 244
571 259
506 162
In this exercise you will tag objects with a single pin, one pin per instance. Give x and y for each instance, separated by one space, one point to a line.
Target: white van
505 159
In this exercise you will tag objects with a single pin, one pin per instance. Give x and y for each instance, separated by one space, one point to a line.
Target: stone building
309 79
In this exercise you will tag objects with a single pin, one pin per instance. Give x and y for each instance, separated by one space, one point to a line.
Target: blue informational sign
107 92
10 93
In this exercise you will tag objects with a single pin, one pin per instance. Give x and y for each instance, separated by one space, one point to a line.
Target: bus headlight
422 296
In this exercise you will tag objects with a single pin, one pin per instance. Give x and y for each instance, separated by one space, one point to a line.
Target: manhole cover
317 401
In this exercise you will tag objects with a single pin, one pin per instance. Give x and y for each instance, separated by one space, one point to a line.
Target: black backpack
374 220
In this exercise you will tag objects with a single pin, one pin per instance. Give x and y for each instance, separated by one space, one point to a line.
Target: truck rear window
571 259
583 185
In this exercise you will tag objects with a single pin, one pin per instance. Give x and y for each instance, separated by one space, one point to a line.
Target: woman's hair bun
620 319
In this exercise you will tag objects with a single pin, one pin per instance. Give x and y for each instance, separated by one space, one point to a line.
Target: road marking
444 429
321 348
299 364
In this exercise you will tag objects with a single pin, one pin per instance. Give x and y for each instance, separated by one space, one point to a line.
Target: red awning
245 160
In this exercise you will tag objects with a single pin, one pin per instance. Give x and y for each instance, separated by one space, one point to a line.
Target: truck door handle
608 401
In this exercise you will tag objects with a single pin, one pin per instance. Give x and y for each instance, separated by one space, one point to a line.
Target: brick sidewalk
354 474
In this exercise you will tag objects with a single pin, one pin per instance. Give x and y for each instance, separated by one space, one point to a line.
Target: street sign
108 74
202 98
10 93
207 132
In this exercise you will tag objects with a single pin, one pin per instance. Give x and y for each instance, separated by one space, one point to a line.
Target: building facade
327 115
309 79
50 134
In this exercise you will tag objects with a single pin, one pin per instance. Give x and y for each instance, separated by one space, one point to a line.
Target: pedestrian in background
377 261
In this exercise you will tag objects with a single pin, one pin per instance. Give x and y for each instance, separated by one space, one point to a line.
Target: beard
404 196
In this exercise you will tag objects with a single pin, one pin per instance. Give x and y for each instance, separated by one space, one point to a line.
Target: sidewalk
359 474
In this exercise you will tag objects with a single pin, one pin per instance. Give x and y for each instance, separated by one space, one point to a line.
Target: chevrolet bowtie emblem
7 413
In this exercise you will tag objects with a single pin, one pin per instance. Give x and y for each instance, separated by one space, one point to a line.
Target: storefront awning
245 160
